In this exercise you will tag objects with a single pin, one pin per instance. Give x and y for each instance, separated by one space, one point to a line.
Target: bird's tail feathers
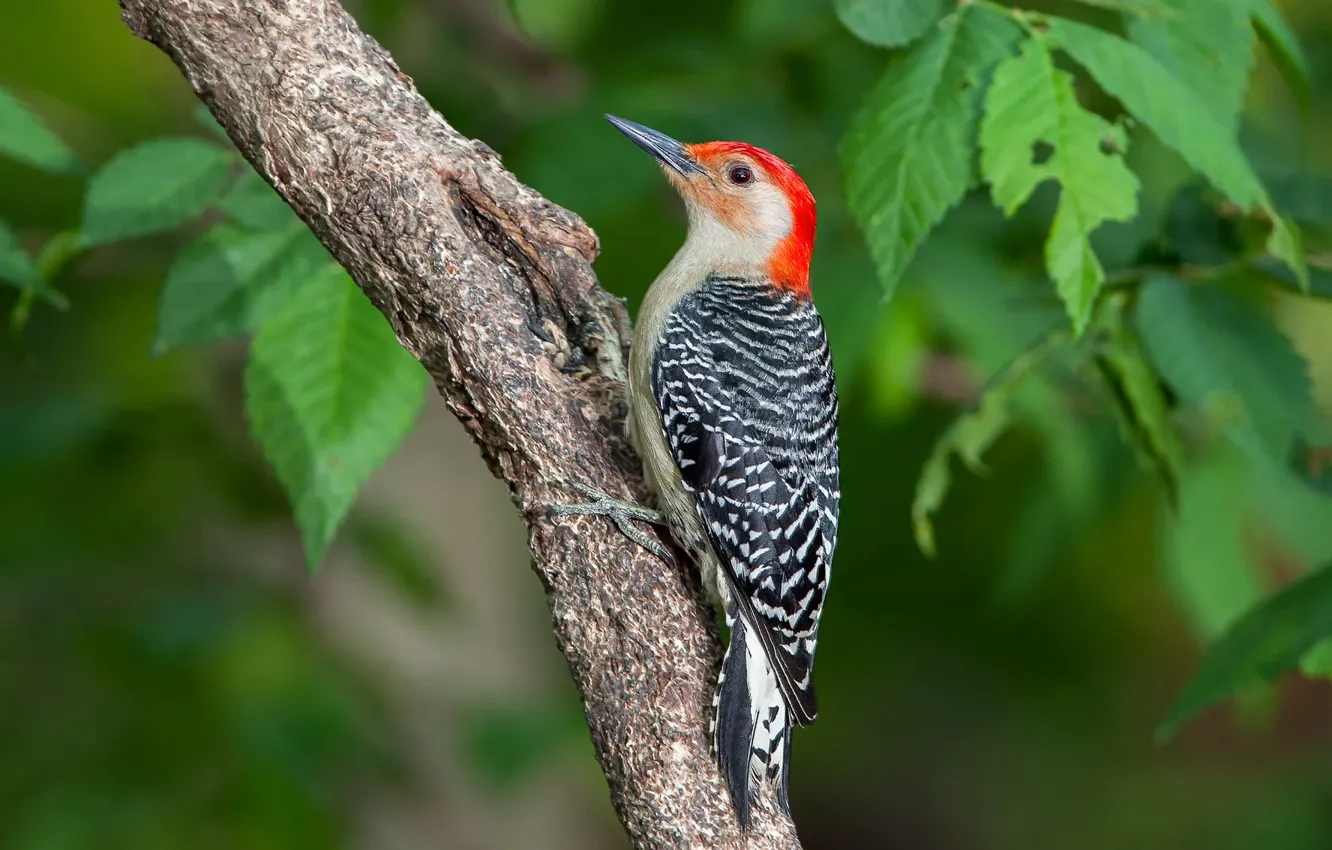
751 728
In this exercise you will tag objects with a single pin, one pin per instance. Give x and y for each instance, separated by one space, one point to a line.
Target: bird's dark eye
740 174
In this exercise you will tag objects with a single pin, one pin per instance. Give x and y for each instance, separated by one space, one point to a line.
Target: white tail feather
750 722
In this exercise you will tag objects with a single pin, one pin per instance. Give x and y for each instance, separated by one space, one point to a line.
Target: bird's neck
780 256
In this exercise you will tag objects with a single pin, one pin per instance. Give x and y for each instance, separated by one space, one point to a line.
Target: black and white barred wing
744 383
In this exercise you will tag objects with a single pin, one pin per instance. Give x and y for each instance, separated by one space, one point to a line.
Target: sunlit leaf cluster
1176 335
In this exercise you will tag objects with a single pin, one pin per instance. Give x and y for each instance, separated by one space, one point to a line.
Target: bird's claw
621 513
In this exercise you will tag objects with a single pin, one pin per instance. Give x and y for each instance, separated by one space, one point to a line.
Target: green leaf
1305 198
1144 411
1312 464
1320 280
1206 553
1317 662
59 251
329 395
1293 509
1221 354
1196 231
228 281
1208 45
563 24
888 23
252 203
1263 644
1144 8
153 187
1285 49
1031 114
17 268
15 265
25 138
1287 245
908 152
1081 475
1169 108
971 434
1165 104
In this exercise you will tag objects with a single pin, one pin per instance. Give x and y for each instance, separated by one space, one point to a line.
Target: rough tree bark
491 287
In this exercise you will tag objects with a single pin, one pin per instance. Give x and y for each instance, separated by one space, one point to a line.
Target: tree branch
491 287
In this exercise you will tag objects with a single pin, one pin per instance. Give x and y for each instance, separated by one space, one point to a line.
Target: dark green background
170 677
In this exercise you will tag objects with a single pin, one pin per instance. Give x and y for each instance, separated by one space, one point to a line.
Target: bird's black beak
660 145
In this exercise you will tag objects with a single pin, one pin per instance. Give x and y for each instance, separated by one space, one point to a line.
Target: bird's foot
621 513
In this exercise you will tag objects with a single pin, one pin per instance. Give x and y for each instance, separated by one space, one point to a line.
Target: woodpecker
733 408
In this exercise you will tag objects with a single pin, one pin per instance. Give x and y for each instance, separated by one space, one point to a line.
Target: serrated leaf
228 281
1144 410
1208 45
1031 104
329 394
1168 107
1285 49
970 435
1266 642
908 152
1219 353
25 138
252 203
153 187
1165 104
888 23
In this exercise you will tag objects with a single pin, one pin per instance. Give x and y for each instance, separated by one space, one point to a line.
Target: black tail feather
734 733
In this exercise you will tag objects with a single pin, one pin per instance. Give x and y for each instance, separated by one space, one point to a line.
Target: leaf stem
58 251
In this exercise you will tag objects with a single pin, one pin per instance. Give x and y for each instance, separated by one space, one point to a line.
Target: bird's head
748 210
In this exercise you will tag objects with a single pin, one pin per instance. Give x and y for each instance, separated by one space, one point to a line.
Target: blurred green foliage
164 688
1187 317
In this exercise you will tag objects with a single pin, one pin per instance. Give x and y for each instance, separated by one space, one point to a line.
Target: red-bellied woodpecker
733 407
